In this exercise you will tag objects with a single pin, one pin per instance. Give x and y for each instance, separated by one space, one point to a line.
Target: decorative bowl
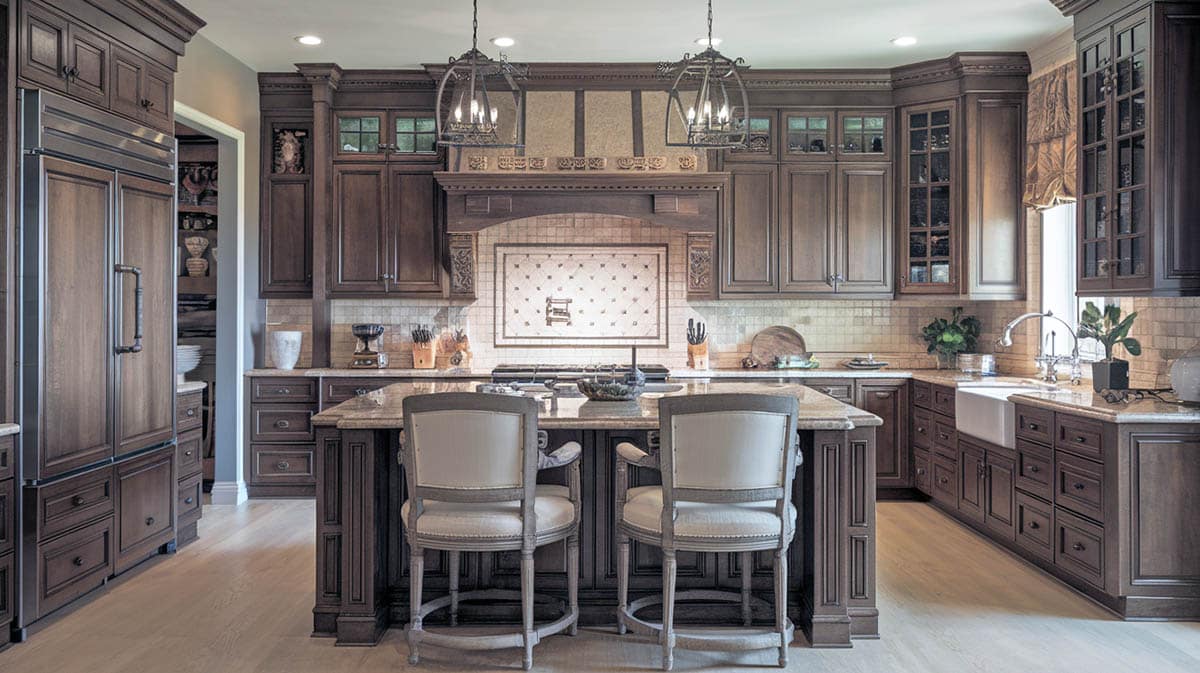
367 330
609 390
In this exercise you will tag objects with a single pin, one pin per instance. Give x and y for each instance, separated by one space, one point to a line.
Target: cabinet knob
361 391
921 429
1078 486
282 465
1034 469
1033 525
190 413
943 480
1081 440
920 470
188 453
943 435
149 521
1033 426
77 561
1078 546
282 424
188 500
146 103
283 391
77 501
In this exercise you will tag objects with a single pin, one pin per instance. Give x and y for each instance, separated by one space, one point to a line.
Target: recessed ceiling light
904 41
308 40
703 42
503 41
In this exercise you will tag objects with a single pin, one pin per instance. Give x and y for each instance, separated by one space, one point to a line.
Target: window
1059 259
416 135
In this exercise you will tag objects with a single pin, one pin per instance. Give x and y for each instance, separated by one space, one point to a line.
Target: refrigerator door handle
136 346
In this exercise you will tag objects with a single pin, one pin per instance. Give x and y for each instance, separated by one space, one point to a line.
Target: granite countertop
384 408
185 387
1081 401
7 429
838 373
455 373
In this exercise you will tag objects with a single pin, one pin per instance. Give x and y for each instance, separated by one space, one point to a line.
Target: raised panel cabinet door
146 496
77 215
158 91
415 233
1176 172
286 251
89 62
126 83
807 228
889 401
971 471
42 51
864 232
145 378
995 210
999 494
749 246
359 265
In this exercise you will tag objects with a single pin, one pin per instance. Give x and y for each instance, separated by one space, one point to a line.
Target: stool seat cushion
643 510
494 520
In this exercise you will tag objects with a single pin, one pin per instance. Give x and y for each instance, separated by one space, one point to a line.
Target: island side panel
825 617
366 520
864 615
327 467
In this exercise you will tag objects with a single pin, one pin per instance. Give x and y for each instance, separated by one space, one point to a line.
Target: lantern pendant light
482 98
707 106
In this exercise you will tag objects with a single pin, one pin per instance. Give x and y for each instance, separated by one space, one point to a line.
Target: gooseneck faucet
1047 363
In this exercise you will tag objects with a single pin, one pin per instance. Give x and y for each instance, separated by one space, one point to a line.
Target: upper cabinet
1139 209
385 136
928 226
285 207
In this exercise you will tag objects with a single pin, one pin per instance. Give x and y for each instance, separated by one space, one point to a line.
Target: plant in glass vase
1109 328
948 338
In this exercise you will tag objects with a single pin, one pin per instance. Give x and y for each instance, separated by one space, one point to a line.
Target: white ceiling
767 33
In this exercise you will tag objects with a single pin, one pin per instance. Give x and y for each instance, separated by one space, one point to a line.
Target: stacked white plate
186 359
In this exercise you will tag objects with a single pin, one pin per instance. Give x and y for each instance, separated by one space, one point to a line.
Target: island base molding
362 558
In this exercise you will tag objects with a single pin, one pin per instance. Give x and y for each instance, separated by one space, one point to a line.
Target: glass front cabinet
929 222
385 136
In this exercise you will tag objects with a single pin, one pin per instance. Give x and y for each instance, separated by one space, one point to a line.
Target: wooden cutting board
776 340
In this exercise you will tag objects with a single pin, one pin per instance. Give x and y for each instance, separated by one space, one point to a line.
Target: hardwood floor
238 600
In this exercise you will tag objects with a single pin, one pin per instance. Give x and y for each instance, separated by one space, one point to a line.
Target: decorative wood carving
462 266
687 162
701 257
477 163
288 151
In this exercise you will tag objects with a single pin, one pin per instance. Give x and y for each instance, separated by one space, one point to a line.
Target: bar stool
727 463
471 462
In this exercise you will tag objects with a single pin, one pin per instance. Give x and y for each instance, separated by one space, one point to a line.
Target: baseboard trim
229 493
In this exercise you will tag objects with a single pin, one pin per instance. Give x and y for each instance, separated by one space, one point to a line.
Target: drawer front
1079 486
146 490
1035 469
8 457
68 503
839 389
1081 436
945 481
922 393
945 437
73 565
190 499
1035 526
943 400
1079 547
922 471
189 411
8 515
188 450
1035 425
922 428
284 390
282 464
336 391
280 423
8 587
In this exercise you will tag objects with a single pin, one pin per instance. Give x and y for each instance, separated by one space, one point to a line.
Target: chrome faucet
1048 362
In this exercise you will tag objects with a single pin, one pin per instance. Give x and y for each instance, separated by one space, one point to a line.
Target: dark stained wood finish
335 391
1034 526
992 197
189 409
888 399
323 80
1079 486
8 516
280 460
998 496
43 56
922 185
808 221
8 588
971 480
8 457
922 426
88 54
1164 550
146 492
359 230
1035 470
1080 436
1079 548
1035 425
276 464
188 453
749 242
943 401
127 82
922 473
71 566
281 423
285 217
65 504
414 231
146 396
864 236
284 390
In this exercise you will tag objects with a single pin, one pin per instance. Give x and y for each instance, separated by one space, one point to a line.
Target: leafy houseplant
1109 328
950 337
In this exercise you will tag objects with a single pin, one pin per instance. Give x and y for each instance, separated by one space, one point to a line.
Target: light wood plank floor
238 601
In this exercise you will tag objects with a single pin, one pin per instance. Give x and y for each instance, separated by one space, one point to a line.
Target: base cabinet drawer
1035 469
188 450
1035 526
1080 436
66 504
922 471
1079 547
1079 486
943 400
292 464
146 489
8 587
73 565
189 411
8 516
336 391
1035 425
281 423
922 393
922 428
284 390
7 457
945 481
945 436
839 389
189 499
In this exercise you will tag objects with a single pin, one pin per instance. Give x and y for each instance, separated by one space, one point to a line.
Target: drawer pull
283 391
1034 469
1081 440
1078 546
1078 486
188 500
921 429
920 470
943 480
1033 525
77 501
942 435
77 561
282 465
282 424
189 413
149 521
188 453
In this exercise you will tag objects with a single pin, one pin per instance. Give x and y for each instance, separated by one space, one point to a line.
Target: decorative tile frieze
462 266
477 163
654 163
701 257
687 162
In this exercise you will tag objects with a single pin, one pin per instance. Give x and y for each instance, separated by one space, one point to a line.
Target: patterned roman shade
1050 157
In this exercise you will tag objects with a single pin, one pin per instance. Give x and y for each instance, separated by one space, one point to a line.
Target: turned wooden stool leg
781 600
415 581
573 581
747 558
622 582
454 571
527 607
668 625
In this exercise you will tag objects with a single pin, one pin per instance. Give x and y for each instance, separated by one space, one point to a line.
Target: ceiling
767 33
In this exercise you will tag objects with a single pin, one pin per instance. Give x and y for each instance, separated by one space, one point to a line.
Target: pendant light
708 107
482 98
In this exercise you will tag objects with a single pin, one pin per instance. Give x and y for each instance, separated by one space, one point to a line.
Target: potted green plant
948 338
1109 328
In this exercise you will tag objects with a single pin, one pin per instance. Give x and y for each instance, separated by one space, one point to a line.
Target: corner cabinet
1138 217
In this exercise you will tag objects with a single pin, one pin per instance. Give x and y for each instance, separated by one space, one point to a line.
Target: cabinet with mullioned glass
809 135
385 136
864 135
929 229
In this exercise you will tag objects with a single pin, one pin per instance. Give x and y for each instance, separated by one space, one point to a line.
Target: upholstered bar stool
471 462
727 465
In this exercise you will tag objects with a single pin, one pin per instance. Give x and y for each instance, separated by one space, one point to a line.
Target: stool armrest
563 455
634 456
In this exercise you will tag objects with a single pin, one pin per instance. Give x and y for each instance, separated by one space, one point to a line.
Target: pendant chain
475 23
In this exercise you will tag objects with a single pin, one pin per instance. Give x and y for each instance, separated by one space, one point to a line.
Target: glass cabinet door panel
359 134
939 170
939 118
918 208
807 134
918 120
918 171
918 245
863 134
917 140
929 263
939 207
918 272
939 244
939 272
415 135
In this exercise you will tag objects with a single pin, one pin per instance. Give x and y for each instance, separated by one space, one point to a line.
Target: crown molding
1072 7
958 65
169 15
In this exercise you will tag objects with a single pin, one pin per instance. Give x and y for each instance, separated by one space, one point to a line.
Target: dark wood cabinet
285 208
972 471
360 228
1137 216
864 232
142 90
145 506
888 399
281 458
89 59
414 247
808 226
929 226
750 245
43 54
998 497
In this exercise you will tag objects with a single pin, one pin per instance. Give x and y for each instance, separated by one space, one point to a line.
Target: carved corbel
462 266
701 258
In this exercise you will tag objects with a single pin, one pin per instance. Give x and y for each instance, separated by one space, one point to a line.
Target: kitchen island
362 565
